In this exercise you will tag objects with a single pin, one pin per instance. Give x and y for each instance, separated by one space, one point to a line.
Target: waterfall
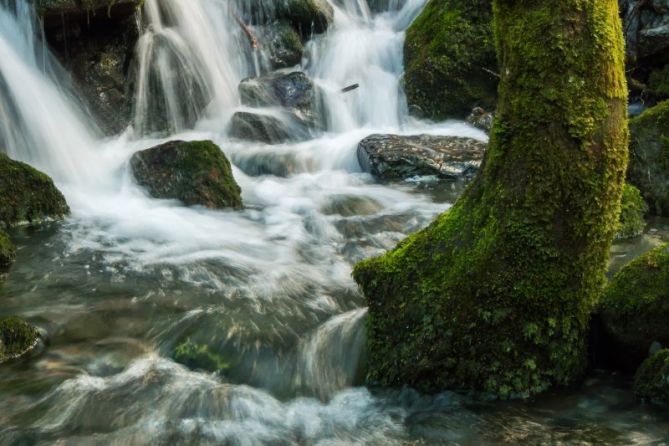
40 121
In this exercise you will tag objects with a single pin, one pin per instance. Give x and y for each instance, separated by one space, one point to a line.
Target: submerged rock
651 382
7 251
307 16
649 156
393 157
199 357
17 338
633 209
27 195
449 55
257 127
292 91
194 172
635 308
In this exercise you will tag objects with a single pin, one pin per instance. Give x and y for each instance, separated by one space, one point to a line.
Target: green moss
652 379
632 213
658 83
7 251
195 172
307 16
635 305
16 337
496 294
649 162
27 195
449 55
199 357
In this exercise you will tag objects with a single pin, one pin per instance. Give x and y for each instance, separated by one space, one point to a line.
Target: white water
287 258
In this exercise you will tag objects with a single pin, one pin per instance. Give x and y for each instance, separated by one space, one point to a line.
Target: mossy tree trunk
495 294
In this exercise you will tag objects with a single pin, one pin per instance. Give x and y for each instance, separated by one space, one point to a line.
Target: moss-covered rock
194 172
282 43
449 55
651 382
27 195
635 307
307 16
632 212
496 294
199 357
17 338
7 251
649 162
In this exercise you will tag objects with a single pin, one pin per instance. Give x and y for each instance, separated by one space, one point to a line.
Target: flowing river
126 278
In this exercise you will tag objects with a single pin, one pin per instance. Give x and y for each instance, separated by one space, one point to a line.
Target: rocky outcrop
17 338
450 59
27 195
635 308
651 382
95 42
194 172
395 158
649 157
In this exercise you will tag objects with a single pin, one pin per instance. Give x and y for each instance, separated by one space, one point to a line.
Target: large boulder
634 308
17 338
27 195
649 157
651 382
281 43
95 42
395 158
194 172
7 251
450 60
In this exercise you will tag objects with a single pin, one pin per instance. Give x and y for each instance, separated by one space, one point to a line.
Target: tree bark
496 294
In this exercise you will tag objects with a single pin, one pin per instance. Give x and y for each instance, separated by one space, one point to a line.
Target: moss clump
496 294
632 213
199 357
27 195
307 16
17 337
195 172
658 83
651 382
635 306
649 162
7 251
449 55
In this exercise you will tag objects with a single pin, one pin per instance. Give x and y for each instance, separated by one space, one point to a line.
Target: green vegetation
449 55
27 195
635 305
632 213
199 357
652 379
17 337
7 251
496 294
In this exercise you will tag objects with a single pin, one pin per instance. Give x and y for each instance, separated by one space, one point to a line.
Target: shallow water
126 278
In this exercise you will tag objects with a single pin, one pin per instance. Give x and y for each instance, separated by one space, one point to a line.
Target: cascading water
268 289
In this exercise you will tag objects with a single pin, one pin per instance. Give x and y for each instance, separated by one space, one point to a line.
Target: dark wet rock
307 17
393 157
258 127
27 195
7 251
282 44
95 42
651 382
194 172
293 91
635 308
273 163
17 338
633 209
450 59
649 157
481 119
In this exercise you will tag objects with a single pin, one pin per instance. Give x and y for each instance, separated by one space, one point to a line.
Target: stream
126 278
